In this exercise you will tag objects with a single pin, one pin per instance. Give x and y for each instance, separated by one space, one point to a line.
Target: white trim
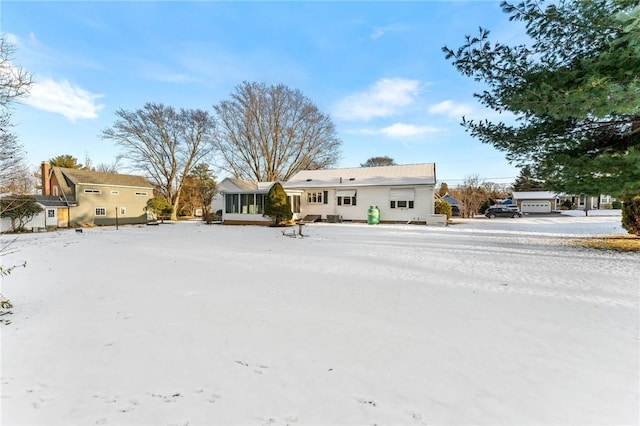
113 185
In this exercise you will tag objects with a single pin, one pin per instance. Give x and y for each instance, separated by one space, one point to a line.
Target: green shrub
442 207
160 207
484 206
567 204
631 214
212 217
277 205
616 204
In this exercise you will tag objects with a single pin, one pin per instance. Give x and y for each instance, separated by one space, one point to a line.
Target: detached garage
535 206
537 201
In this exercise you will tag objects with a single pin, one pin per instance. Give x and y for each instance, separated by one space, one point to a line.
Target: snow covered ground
494 322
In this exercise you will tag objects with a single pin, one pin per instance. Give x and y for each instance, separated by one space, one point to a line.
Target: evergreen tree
66 161
277 205
442 207
575 92
631 214
444 189
160 207
526 181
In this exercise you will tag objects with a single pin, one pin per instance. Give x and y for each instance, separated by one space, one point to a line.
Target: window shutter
402 194
339 201
325 197
353 200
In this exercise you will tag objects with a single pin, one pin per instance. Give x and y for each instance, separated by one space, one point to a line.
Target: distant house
453 202
79 196
402 193
546 201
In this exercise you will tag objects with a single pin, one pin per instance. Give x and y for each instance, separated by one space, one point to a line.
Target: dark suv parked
493 212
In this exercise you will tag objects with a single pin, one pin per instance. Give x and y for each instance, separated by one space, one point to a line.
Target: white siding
38 221
375 195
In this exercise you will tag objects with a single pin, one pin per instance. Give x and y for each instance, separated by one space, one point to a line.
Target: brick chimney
45 169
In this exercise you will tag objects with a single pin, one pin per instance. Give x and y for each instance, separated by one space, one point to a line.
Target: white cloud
385 98
402 130
12 39
456 111
451 109
380 31
61 97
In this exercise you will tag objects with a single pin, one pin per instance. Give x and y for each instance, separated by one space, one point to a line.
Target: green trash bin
373 215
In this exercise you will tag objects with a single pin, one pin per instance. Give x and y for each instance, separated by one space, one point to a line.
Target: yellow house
98 198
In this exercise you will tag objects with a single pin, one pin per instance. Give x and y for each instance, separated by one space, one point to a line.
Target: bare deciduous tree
11 153
378 161
21 181
471 194
112 167
270 133
164 144
14 83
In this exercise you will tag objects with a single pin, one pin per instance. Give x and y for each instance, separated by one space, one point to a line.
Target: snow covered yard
484 322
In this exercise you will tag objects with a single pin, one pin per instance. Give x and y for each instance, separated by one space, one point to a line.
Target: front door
63 217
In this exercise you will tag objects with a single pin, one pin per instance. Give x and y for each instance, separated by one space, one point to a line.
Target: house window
346 197
92 191
346 201
123 211
55 191
315 198
101 211
247 204
295 203
401 204
141 194
401 198
115 192
51 213
231 203
260 203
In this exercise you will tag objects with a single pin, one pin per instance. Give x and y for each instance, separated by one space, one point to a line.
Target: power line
480 178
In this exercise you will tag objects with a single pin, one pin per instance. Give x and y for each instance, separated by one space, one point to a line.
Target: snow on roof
231 185
535 195
408 174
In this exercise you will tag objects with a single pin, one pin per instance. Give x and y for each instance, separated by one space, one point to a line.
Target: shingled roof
50 201
69 178
83 176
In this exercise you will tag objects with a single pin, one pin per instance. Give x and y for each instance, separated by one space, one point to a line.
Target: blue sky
376 67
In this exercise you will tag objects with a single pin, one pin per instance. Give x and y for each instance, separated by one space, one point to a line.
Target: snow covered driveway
495 322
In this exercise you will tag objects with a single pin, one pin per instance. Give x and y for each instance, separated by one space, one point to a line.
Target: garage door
535 206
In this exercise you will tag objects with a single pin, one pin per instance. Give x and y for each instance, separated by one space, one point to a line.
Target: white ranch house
547 202
403 193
